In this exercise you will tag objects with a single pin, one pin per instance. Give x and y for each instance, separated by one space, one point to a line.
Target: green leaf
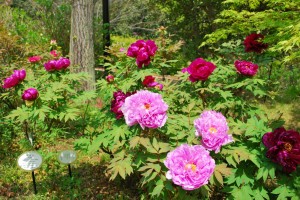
157 190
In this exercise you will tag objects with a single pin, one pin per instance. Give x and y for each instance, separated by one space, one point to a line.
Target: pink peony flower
283 148
213 129
246 68
118 101
14 79
189 166
30 94
34 59
142 51
145 108
253 43
199 69
54 53
110 78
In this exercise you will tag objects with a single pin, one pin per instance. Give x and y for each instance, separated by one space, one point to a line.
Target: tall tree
81 40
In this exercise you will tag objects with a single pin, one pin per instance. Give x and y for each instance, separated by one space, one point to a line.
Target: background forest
249 51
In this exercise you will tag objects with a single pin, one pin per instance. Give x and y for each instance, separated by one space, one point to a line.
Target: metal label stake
67 157
34 183
29 161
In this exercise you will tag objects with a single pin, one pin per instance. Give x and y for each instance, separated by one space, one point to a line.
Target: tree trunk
81 40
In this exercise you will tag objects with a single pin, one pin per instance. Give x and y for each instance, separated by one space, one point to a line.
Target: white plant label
30 160
67 156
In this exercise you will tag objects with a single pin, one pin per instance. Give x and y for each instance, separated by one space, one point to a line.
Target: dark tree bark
81 40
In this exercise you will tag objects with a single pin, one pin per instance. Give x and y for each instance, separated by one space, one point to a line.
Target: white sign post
67 157
29 161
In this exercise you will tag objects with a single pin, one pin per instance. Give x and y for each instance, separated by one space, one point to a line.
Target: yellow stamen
212 130
287 146
147 106
193 167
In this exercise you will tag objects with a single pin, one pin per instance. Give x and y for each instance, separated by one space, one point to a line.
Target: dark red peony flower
110 78
199 69
118 101
253 43
148 81
246 68
283 148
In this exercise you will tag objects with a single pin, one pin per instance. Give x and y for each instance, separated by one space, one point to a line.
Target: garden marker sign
67 157
29 161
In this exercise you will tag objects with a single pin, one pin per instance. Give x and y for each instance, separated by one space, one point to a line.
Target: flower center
212 130
147 106
287 146
193 167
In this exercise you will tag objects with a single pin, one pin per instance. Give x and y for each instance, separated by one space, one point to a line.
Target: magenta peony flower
20 74
246 68
50 65
199 69
59 64
10 82
118 101
189 166
159 86
34 59
62 63
142 51
253 43
213 129
145 108
283 148
30 94
110 78
14 79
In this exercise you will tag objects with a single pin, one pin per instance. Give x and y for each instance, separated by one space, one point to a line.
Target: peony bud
109 78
